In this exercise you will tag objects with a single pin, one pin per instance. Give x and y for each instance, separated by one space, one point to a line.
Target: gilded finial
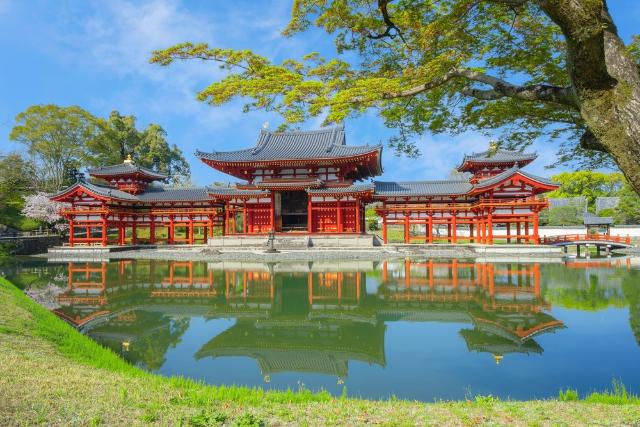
493 147
498 358
128 159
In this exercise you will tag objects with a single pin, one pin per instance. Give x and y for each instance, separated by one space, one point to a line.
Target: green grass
52 375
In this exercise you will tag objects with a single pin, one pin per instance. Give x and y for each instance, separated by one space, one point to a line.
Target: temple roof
422 188
591 219
232 190
126 168
497 156
101 190
510 172
356 188
326 143
152 194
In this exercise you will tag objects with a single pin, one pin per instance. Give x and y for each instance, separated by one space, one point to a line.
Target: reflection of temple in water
304 317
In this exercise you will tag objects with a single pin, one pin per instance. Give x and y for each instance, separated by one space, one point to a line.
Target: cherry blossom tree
39 207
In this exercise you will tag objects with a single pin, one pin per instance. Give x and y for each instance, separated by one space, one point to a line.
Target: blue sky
95 54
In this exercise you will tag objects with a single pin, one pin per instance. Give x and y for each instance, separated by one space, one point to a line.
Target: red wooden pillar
121 233
134 231
471 238
152 229
384 229
191 233
357 207
210 226
536 236
518 231
454 229
245 227
430 228
309 214
406 228
226 219
103 241
508 232
71 231
479 231
272 213
526 230
449 231
171 231
490 229
339 214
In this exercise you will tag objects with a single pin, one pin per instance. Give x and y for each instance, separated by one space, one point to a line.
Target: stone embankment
282 254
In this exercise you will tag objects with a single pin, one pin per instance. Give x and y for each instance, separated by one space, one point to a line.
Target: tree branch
500 89
382 5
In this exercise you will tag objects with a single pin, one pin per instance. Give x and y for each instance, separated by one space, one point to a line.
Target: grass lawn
52 375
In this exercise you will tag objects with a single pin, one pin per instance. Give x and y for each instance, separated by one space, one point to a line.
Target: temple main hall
311 183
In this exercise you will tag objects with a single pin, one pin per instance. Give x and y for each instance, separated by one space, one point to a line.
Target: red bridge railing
606 238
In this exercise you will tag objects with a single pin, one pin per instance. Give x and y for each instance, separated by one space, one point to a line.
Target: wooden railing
549 240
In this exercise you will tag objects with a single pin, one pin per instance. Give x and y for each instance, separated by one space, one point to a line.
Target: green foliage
568 395
428 66
63 140
119 137
206 419
628 210
16 179
562 215
587 184
591 185
56 138
247 420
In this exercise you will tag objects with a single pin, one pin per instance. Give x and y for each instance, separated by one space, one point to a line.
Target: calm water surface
418 330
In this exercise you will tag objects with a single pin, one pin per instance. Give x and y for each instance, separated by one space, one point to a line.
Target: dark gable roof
335 190
125 169
159 194
422 188
152 194
498 156
591 219
101 190
230 190
323 143
510 172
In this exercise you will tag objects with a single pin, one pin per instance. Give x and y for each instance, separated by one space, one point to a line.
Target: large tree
55 138
529 68
119 138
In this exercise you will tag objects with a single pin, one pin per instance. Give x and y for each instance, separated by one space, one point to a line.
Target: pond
428 329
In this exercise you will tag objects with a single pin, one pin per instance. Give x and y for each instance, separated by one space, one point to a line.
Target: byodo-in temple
307 182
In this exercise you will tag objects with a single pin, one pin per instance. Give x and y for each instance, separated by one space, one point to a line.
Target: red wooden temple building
308 182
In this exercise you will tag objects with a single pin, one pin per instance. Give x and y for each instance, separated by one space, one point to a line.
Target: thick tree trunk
605 78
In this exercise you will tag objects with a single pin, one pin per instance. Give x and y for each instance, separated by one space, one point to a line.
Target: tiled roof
232 191
323 143
101 190
290 183
335 190
591 219
498 156
422 188
510 172
152 194
159 194
125 169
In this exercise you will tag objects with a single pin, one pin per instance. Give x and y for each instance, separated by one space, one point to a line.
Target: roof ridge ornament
128 160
